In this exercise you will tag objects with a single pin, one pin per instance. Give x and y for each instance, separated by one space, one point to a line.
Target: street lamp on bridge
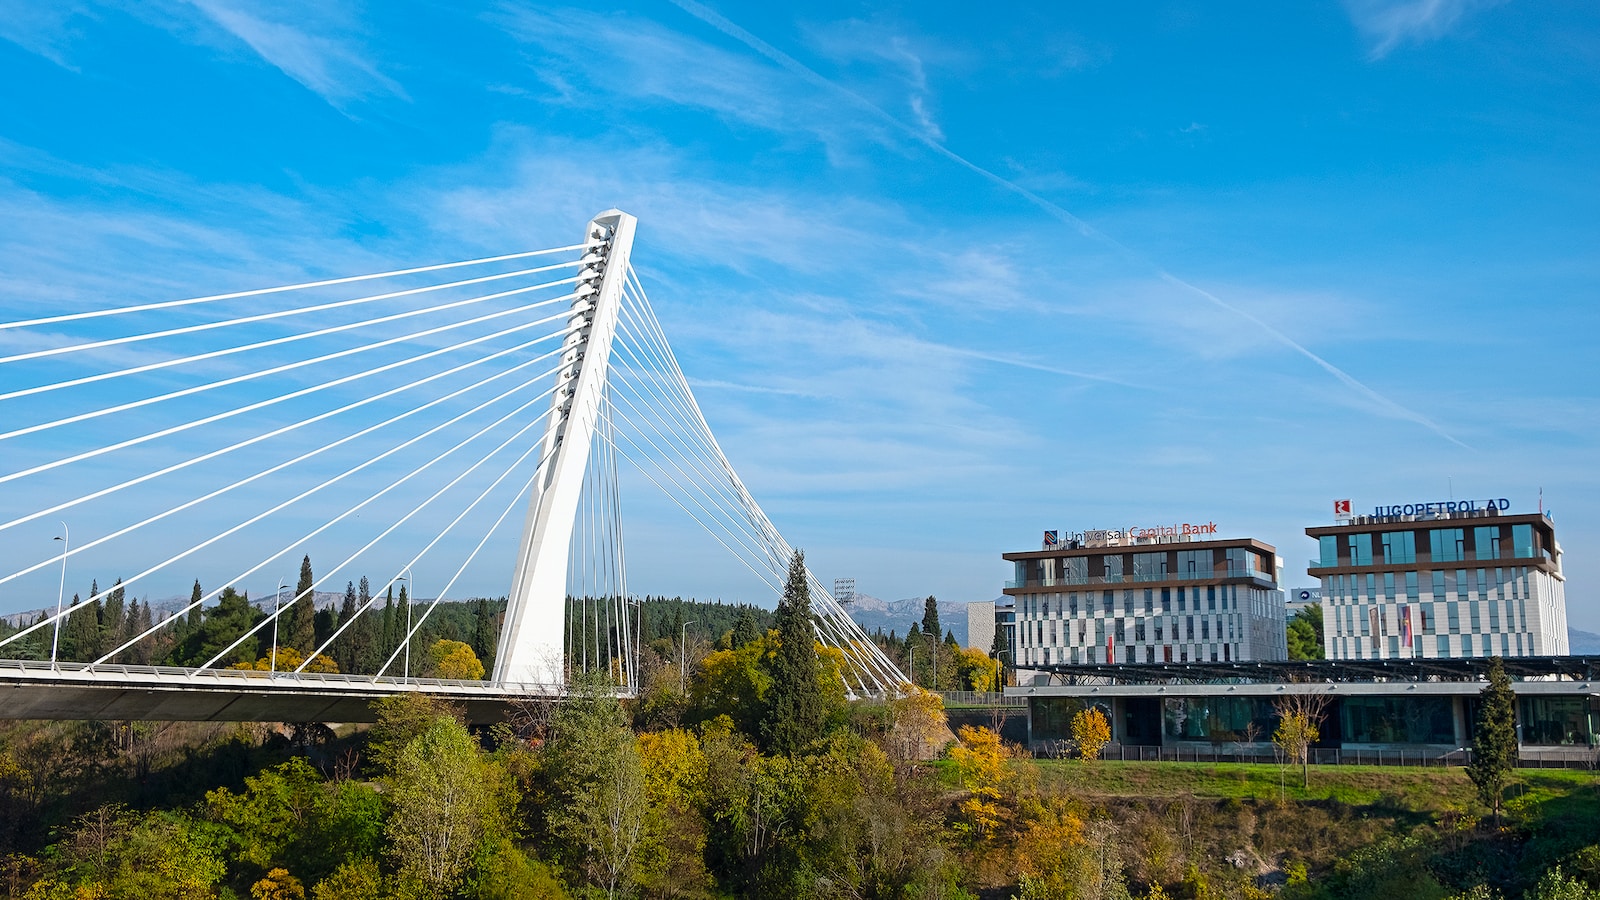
61 592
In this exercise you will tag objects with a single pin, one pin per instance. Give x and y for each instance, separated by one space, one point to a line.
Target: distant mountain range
1582 643
872 614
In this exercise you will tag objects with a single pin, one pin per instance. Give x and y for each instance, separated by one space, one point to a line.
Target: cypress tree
301 631
483 633
387 646
930 631
364 634
796 709
344 651
193 623
1494 744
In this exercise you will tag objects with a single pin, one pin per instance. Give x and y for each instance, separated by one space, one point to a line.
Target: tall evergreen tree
930 633
363 635
402 627
344 651
193 623
796 707
1494 743
387 646
483 633
301 630
930 617
113 619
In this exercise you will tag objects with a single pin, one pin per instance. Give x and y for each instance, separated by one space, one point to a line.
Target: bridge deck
35 690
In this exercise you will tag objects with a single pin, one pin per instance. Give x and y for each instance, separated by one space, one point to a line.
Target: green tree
796 708
930 634
344 651
1494 742
483 633
446 798
1000 652
745 629
1305 633
363 635
222 624
192 624
299 630
596 780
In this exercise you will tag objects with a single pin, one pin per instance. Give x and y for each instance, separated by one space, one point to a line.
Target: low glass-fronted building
1427 708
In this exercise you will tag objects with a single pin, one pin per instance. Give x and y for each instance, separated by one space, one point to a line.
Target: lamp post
61 593
276 598
683 656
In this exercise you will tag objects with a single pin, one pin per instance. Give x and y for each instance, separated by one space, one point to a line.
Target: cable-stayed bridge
389 420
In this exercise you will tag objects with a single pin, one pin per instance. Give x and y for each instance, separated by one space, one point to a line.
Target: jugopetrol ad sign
1439 507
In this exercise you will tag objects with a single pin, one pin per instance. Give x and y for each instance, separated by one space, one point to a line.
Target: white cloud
1390 23
45 29
331 67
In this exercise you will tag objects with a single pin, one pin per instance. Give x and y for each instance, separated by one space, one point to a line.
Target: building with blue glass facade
1463 583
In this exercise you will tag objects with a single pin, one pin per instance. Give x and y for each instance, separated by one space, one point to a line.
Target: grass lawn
1411 788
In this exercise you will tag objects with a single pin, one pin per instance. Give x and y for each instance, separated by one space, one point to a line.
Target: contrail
716 20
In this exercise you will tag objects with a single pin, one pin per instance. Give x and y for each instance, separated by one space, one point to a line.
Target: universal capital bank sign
1440 507
1133 531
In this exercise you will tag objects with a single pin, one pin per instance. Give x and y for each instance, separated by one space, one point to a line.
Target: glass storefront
1398 720
1559 721
1218 719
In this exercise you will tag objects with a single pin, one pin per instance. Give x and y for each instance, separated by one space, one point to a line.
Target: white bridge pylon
403 428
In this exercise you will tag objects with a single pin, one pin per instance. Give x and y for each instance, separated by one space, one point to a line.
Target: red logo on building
1341 508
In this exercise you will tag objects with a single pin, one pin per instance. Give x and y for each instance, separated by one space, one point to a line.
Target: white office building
1440 580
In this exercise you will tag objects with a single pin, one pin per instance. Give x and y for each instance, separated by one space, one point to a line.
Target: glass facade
1398 720
1559 721
1447 544
1218 719
1399 547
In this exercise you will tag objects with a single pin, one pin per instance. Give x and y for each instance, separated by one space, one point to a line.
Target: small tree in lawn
1494 743
1299 726
1091 732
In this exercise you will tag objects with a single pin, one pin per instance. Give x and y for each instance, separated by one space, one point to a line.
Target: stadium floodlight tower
531 645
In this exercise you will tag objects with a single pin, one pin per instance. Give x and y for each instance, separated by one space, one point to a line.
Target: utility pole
273 671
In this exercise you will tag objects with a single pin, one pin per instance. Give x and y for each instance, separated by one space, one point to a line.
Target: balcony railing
1099 580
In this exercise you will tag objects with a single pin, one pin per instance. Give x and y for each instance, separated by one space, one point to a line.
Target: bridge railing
85 672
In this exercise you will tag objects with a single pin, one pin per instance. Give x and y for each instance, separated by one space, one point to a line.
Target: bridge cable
169 304
286 367
260 317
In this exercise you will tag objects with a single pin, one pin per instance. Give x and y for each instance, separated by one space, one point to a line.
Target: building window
1522 541
1447 544
1486 542
1166 601
1138 630
1360 549
1108 601
1399 547
1149 566
1193 564
1149 600
1438 585
1411 585
1328 548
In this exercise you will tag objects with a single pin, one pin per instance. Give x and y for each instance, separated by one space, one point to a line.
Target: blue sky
943 278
